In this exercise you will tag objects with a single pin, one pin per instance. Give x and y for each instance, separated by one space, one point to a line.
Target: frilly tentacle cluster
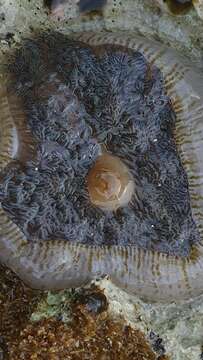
56 264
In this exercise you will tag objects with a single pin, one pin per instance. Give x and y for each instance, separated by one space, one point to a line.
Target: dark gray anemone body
64 102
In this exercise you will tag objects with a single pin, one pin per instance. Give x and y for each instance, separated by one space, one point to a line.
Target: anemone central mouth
110 184
107 184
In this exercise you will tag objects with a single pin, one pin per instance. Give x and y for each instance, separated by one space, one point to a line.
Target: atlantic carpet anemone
101 165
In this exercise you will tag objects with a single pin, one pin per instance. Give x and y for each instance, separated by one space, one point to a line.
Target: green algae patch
57 305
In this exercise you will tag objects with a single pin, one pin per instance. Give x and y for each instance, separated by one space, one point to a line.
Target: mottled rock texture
179 325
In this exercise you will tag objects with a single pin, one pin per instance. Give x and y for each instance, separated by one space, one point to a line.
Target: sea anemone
112 181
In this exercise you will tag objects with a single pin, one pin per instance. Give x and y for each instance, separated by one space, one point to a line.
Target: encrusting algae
87 339
17 302
89 334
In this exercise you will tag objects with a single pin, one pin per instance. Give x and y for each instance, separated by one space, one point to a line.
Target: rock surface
180 326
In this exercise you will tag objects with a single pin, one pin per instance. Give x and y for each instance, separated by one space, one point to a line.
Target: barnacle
179 6
132 96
